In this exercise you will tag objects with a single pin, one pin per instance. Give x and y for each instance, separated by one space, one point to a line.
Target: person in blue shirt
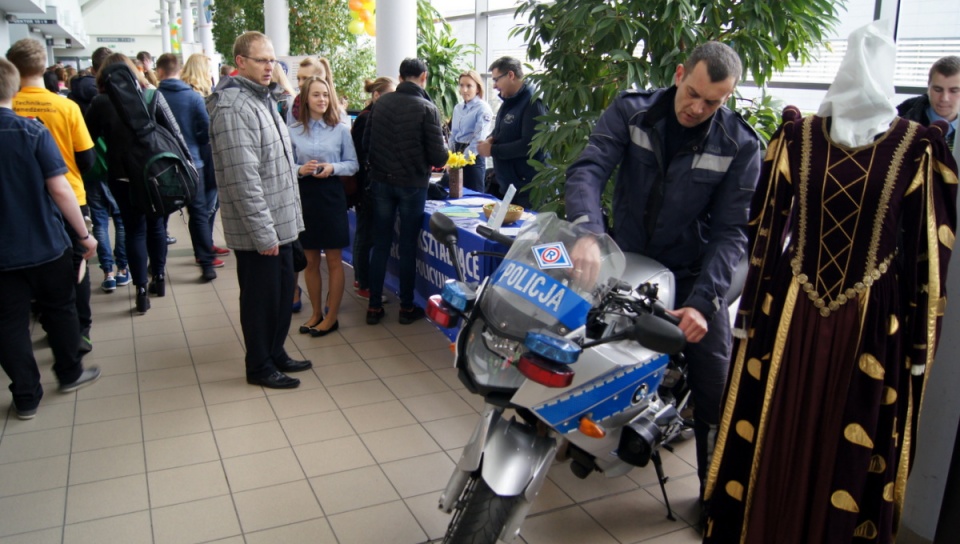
941 102
323 150
36 254
471 124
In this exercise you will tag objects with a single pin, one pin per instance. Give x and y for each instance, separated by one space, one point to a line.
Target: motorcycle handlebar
661 312
490 234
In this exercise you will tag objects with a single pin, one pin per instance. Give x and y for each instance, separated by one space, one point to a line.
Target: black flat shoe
306 329
317 333
277 380
293 365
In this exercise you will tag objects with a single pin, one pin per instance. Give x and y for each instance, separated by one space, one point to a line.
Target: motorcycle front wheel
479 515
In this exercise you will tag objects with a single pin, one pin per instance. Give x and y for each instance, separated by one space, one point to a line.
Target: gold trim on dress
856 434
894 325
889 396
734 489
867 530
871 366
767 304
844 501
745 430
877 465
888 492
753 367
946 236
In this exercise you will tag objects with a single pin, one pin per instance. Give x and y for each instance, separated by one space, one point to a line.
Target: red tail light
544 372
441 313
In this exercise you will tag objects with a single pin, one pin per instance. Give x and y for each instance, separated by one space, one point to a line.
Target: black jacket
82 91
403 138
511 135
915 109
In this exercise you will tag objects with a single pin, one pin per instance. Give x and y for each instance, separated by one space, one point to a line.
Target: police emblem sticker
552 255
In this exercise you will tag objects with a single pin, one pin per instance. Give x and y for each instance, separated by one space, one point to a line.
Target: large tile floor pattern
173 446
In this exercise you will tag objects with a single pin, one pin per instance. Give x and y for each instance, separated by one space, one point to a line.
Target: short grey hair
722 62
508 64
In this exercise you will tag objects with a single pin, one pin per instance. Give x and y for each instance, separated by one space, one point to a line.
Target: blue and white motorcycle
567 371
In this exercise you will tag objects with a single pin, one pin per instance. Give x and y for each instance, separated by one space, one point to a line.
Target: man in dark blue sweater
509 144
191 113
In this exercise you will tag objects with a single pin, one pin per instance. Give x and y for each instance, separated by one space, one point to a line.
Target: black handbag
299 257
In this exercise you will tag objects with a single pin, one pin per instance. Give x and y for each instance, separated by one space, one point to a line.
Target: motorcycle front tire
479 515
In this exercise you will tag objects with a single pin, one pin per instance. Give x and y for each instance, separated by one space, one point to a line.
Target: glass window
927 30
452 8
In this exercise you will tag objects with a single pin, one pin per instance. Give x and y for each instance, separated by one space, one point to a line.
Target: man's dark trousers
266 284
53 286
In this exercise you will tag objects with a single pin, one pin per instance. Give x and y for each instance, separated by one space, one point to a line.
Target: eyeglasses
496 79
261 62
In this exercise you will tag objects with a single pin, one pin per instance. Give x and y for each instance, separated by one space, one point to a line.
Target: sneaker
86 346
363 293
87 377
208 274
374 315
409 315
171 240
109 284
220 250
26 414
356 284
217 263
123 277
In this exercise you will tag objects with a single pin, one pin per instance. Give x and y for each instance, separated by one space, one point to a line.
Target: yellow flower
459 160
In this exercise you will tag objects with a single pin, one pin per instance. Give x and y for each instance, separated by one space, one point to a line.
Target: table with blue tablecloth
434 265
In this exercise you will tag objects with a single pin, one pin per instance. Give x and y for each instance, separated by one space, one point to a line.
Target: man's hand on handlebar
586 262
692 323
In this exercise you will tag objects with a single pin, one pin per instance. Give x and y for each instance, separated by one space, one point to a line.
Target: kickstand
658 464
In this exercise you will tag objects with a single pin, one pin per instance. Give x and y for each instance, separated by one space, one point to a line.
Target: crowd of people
272 159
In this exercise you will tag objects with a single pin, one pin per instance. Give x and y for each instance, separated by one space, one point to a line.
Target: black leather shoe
158 286
208 274
277 380
293 365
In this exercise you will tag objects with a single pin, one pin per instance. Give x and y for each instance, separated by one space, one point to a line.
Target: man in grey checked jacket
260 207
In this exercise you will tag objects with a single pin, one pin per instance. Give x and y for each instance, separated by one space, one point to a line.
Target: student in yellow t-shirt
63 119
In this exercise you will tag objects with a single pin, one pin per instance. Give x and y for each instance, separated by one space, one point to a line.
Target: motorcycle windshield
538 286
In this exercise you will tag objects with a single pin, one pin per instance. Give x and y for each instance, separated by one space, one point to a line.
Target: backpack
162 176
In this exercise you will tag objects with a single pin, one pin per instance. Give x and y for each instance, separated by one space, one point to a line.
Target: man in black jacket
942 100
509 143
403 140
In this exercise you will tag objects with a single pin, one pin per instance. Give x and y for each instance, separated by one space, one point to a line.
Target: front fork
513 459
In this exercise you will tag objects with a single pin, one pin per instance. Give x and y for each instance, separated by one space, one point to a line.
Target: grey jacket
256 173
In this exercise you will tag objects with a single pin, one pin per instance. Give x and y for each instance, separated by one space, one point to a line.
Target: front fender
514 457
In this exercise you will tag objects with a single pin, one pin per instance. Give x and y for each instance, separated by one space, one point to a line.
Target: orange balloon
364 15
356 5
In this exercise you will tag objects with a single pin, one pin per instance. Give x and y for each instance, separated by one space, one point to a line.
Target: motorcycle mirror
658 335
443 229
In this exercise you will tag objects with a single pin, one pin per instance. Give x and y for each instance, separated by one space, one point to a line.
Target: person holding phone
323 150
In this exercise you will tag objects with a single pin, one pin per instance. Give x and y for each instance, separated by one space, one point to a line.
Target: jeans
103 207
208 180
363 239
201 230
52 285
390 201
145 236
265 311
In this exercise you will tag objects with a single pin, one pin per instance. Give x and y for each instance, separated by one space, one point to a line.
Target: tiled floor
172 445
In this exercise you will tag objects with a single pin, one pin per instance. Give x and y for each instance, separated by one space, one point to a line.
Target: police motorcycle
567 371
